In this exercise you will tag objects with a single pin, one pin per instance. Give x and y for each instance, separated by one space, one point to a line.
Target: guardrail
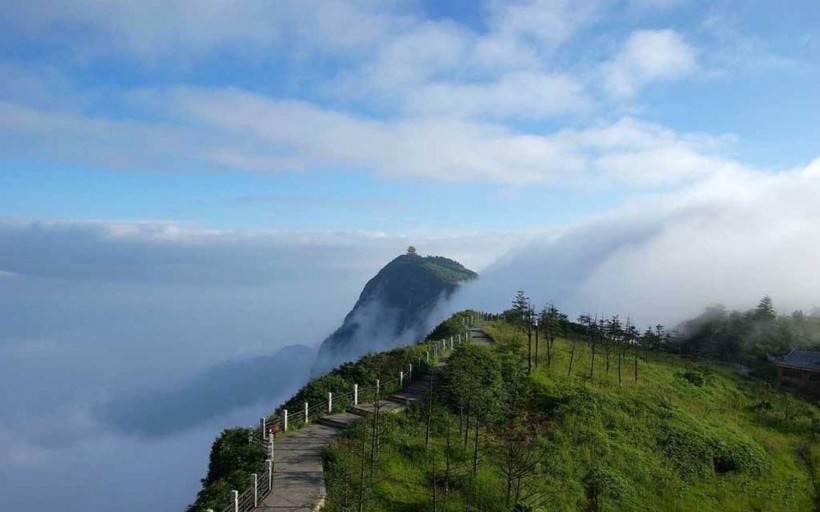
264 435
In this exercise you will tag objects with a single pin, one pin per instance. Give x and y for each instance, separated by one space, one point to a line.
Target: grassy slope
650 443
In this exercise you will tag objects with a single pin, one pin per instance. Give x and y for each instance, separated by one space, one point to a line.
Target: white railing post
307 420
269 468
271 446
235 500
255 480
410 371
285 426
428 356
401 380
329 402
264 431
377 388
355 394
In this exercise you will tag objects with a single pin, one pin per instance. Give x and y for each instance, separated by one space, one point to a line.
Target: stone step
340 420
401 399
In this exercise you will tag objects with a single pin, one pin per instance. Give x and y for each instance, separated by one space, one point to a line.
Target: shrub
734 453
603 484
699 451
762 406
693 377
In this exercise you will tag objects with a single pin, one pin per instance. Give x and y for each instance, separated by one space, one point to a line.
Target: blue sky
187 183
382 117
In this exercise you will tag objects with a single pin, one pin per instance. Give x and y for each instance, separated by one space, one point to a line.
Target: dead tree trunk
475 447
429 413
571 358
374 437
447 463
529 350
435 487
363 465
536 347
592 361
466 428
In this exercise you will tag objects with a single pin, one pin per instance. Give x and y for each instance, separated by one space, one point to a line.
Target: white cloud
655 4
549 22
521 95
161 29
231 128
731 238
648 56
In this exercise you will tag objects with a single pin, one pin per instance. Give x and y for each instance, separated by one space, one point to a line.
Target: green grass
685 436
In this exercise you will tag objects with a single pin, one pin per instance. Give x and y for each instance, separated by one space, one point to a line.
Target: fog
126 348
730 239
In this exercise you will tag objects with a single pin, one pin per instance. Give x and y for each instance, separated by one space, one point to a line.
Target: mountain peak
394 307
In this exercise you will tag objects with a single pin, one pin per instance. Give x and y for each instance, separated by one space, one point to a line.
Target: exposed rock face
394 307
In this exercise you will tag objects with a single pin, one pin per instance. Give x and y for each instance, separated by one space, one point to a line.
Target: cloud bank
127 345
730 239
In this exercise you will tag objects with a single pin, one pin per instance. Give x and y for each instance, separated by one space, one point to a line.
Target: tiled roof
806 359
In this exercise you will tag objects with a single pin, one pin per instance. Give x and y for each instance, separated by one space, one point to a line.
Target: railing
264 434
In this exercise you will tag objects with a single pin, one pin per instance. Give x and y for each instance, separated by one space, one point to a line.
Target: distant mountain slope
394 307
216 391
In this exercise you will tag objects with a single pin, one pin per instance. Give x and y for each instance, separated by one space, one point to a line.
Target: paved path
298 480
479 337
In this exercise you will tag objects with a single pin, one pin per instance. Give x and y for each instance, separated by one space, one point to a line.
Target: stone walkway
479 337
298 480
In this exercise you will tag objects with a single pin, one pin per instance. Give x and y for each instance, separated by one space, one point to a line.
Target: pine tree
765 310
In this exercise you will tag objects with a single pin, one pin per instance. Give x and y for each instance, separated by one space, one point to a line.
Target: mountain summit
394 307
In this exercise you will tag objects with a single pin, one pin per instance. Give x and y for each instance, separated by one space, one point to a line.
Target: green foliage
747 337
383 365
700 451
232 461
447 269
472 379
693 377
603 484
453 326
685 436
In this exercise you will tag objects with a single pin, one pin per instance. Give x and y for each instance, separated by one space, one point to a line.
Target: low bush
693 377
699 451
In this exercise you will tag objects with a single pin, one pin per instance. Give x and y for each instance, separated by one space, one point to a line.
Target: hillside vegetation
233 459
669 434
749 337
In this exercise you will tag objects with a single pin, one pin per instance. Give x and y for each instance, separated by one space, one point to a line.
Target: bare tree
519 459
523 320
594 334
